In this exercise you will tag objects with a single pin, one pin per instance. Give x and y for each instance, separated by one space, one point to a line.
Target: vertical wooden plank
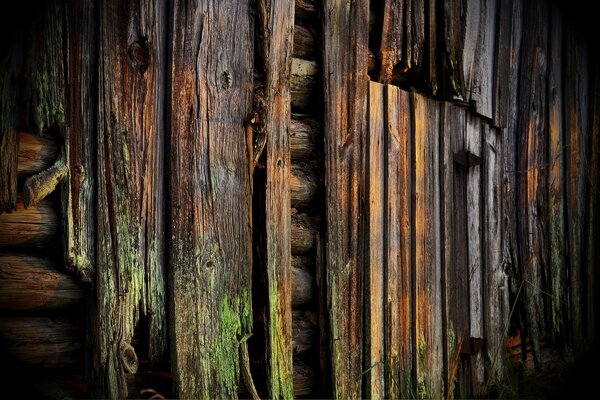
473 144
576 140
557 268
532 196
454 35
494 277
478 54
277 28
503 15
130 276
455 251
398 277
414 50
428 321
210 184
375 265
345 45
392 36
78 190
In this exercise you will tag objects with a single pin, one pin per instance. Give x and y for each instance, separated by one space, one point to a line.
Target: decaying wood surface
130 282
210 248
503 15
38 186
276 21
35 284
303 85
345 79
36 227
42 342
36 153
303 138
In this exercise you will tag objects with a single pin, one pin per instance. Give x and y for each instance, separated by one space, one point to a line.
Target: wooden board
503 15
130 280
210 195
345 43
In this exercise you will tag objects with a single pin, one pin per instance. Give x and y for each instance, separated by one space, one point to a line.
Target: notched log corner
41 185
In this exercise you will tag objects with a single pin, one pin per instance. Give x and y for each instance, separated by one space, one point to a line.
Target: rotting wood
427 263
36 153
304 136
345 79
42 342
473 144
210 210
276 22
303 85
304 331
35 284
78 195
303 186
303 234
398 358
503 15
557 267
454 35
130 234
38 186
36 227
305 46
375 267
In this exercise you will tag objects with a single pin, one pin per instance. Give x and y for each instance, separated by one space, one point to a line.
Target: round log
304 231
304 43
303 186
305 378
303 291
304 135
303 85
36 153
41 342
35 227
306 9
305 330
30 283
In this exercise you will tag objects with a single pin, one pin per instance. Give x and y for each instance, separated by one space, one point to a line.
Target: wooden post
345 44
210 195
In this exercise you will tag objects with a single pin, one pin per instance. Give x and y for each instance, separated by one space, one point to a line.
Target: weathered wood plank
428 301
532 134
345 46
29 283
78 194
473 144
41 342
479 19
455 251
32 228
576 140
376 161
277 28
494 277
130 282
36 153
557 268
454 36
210 247
503 14
399 357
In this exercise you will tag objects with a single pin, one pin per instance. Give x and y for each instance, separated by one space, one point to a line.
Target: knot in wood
129 358
139 55
226 80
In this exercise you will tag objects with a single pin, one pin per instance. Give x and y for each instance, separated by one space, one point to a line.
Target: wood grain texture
32 228
36 153
210 195
304 137
427 251
34 284
398 345
277 27
345 44
501 95
303 85
303 234
375 266
305 46
78 195
303 186
130 279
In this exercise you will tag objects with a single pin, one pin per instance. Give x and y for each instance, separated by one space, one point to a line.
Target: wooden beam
345 46
36 284
32 228
130 207
210 195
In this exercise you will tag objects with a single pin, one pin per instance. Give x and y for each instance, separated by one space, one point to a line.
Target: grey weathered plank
557 267
501 95
398 358
130 280
428 301
210 186
276 21
375 265
345 44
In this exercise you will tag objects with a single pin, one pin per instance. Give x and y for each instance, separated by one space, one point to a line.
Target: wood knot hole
129 358
226 80
139 55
